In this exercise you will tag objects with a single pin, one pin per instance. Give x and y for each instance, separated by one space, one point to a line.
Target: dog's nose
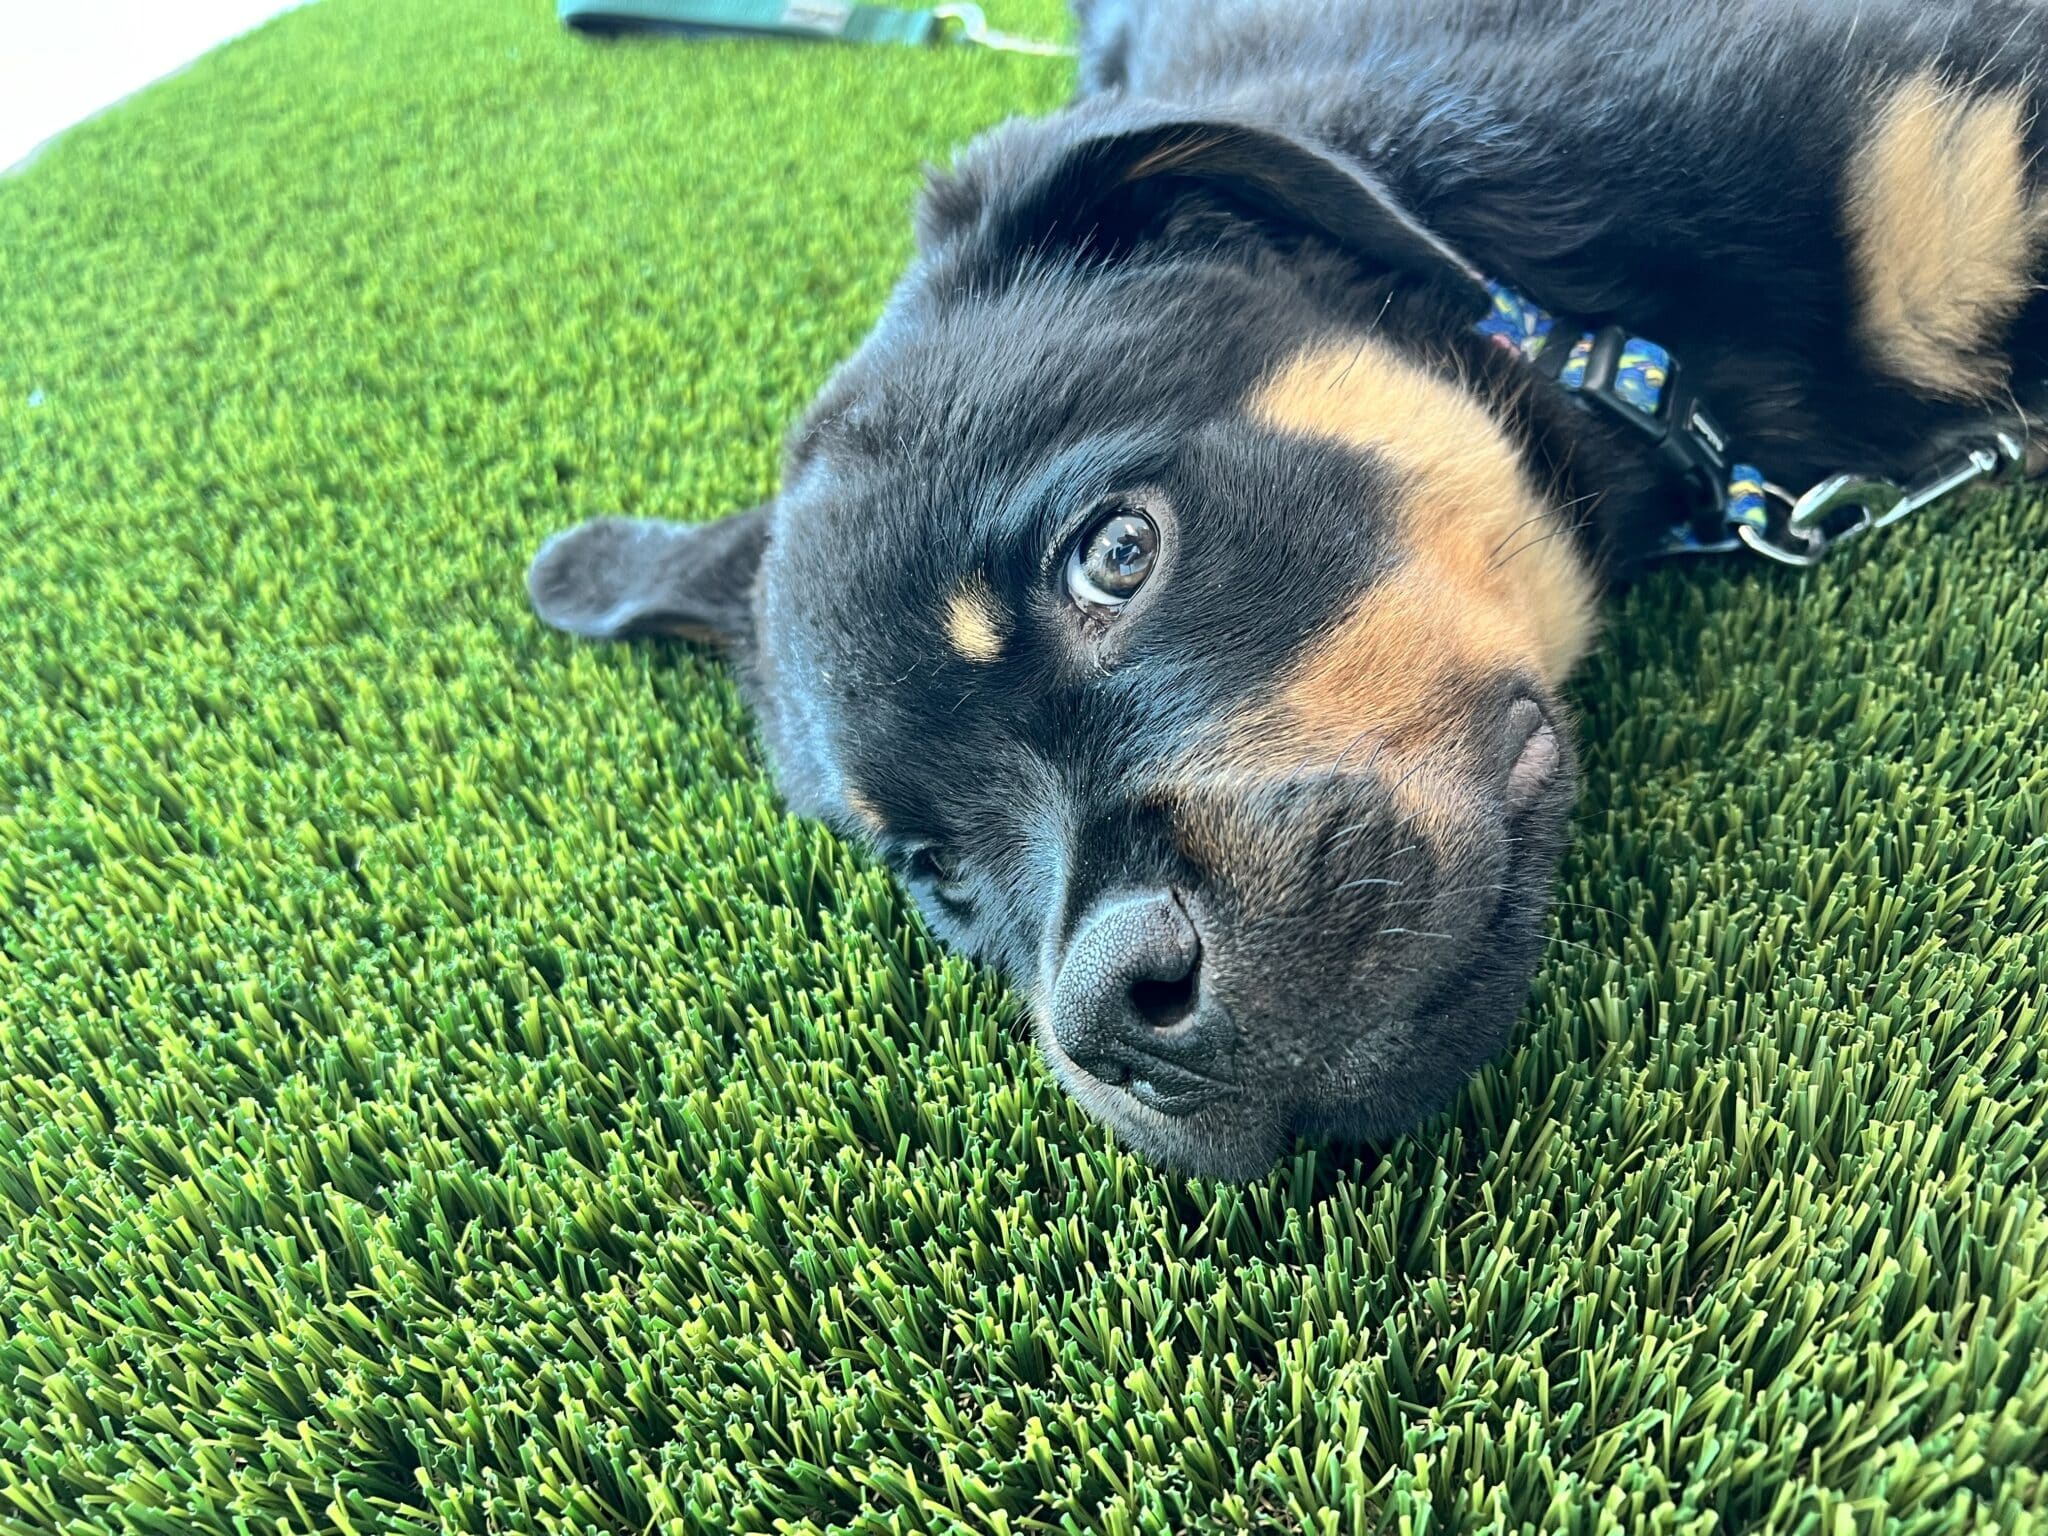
1128 1009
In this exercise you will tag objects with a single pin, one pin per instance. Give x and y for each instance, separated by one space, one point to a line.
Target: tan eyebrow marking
1944 234
972 622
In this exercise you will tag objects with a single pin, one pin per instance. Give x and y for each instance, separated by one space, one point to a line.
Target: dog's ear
614 577
1096 180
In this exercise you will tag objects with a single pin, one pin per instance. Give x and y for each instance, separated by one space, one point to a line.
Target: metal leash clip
1844 506
976 32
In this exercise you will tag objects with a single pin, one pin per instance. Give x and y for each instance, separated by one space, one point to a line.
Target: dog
1179 586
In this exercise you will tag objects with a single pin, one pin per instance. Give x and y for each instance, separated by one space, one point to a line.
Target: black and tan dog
1178 592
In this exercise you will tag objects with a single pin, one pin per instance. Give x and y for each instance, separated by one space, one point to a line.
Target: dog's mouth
1213 1129
1388 1071
1347 993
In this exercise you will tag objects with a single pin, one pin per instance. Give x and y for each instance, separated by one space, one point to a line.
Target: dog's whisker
1558 938
1590 906
1463 890
1409 776
1352 885
1411 816
1536 516
1562 531
1336 768
1345 834
1549 509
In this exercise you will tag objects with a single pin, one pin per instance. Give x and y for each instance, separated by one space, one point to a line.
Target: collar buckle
1639 384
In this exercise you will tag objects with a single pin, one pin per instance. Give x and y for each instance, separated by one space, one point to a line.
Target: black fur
1679 168
1095 297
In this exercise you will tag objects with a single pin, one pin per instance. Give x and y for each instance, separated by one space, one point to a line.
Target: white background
63 60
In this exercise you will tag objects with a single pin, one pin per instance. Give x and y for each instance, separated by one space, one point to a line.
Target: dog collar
1732 506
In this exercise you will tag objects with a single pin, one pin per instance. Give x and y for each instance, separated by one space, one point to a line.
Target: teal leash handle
840 21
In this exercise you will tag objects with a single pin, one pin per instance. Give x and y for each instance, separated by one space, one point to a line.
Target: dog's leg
1836 216
1945 220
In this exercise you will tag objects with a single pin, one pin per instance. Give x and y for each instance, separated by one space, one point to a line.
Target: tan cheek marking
1491 582
1436 805
1944 234
864 811
971 623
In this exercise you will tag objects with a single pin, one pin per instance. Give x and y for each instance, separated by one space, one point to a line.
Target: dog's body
1827 208
1179 591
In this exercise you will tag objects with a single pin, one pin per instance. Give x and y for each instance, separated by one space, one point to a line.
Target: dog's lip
1210 1142
1149 1090
1163 1089
1150 1096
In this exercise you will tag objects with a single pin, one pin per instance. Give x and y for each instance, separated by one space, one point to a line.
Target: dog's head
1167 597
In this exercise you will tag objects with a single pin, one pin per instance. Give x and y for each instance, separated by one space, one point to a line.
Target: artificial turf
439 1090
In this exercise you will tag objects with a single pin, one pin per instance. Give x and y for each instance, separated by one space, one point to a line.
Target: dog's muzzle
1128 1006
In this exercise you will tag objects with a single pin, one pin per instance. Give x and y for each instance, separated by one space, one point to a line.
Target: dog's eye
934 866
1113 558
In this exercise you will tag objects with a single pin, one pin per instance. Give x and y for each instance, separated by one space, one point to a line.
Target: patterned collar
1640 384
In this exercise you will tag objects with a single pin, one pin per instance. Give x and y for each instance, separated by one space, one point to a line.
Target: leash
1734 507
956 22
